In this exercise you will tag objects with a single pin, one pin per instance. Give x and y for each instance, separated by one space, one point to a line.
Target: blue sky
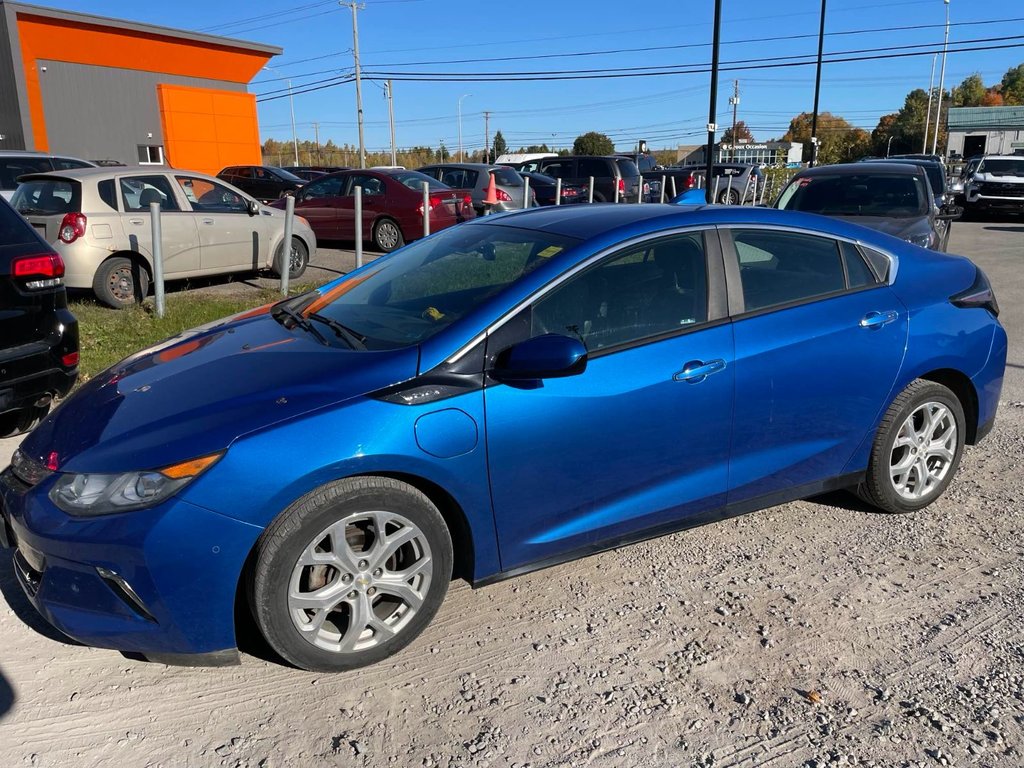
666 110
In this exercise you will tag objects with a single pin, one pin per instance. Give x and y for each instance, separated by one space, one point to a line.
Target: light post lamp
291 103
942 75
461 156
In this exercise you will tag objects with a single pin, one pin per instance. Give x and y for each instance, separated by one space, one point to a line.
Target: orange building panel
206 130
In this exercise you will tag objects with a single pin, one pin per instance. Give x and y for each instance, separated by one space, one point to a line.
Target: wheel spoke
391 544
360 615
402 591
326 598
340 548
415 569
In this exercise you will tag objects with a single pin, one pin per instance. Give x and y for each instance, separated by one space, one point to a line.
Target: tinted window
593 166
282 175
211 197
779 267
460 178
371 185
861 194
45 197
13 167
627 167
67 163
108 192
329 187
13 229
432 283
506 177
856 270
137 192
880 263
646 163
559 169
644 292
414 180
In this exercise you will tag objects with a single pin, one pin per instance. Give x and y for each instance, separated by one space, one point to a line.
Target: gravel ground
816 633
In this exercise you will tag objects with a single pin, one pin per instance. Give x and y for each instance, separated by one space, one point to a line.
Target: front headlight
85 495
924 239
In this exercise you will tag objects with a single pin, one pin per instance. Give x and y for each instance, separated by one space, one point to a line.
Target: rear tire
350 574
120 282
387 235
917 449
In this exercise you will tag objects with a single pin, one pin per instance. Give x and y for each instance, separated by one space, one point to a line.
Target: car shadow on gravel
16 600
1005 229
843 500
6 696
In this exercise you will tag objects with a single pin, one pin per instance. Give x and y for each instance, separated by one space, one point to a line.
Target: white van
523 161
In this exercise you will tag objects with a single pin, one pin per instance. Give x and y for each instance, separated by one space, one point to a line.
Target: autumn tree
970 93
1012 86
742 134
839 140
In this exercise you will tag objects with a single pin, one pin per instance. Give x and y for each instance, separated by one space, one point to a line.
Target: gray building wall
104 113
12 127
999 141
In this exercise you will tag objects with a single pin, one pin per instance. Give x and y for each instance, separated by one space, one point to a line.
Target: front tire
298 260
350 574
729 197
917 449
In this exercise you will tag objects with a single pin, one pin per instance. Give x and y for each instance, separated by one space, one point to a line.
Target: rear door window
371 185
47 197
137 192
208 196
559 169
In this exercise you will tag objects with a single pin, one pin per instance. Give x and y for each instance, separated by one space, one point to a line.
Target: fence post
590 190
526 191
558 191
158 258
663 180
359 226
640 190
426 208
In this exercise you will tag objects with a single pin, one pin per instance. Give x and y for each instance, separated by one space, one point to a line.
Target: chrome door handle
136 221
878 319
696 371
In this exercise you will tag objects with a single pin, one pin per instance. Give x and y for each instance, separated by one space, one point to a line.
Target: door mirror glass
543 357
254 208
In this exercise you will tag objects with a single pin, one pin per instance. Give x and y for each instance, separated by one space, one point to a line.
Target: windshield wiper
299 321
353 339
35 212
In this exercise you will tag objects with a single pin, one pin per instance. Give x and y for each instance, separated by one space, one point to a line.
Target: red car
392 206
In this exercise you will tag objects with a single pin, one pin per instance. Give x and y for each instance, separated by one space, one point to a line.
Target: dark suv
264 182
38 334
611 175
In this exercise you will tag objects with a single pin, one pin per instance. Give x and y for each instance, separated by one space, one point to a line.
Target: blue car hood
195 393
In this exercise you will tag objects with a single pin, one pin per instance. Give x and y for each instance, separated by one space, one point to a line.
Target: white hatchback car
98 220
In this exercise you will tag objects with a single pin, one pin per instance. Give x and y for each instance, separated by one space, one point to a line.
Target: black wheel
22 420
729 197
120 282
299 259
917 449
350 574
599 198
387 235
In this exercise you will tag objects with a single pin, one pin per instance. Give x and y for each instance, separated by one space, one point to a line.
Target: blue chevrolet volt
508 394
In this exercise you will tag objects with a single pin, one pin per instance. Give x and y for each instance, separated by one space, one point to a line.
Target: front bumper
986 202
158 582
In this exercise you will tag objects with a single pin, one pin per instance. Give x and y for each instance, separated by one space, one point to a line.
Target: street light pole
291 103
817 90
942 77
928 114
461 156
713 104
356 7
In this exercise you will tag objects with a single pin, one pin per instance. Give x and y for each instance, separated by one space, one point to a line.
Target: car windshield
406 298
932 170
859 194
1002 167
415 179
285 175
46 197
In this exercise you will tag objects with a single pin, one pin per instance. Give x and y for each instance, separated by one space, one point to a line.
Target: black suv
610 174
264 182
38 334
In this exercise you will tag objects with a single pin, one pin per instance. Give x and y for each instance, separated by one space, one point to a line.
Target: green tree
593 143
970 93
534 148
1012 86
742 133
500 145
442 152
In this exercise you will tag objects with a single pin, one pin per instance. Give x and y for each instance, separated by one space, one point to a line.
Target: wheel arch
961 386
139 259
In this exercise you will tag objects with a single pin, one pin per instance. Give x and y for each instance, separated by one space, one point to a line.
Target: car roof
112 172
999 157
895 168
470 166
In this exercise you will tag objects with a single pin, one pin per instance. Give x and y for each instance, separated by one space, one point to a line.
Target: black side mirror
950 212
253 208
549 356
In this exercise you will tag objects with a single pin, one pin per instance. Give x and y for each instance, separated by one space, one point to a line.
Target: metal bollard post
526 192
746 187
753 198
558 191
674 187
764 188
590 190
426 208
616 190
714 194
359 226
158 258
663 180
640 190
286 244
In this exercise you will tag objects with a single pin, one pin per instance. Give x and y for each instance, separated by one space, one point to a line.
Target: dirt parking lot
816 633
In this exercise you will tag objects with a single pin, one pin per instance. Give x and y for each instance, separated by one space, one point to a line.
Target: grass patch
107 336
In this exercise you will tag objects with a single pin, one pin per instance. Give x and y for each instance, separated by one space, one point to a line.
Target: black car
38 334
545 187
894 198
264 182
304 172
937 180
615 178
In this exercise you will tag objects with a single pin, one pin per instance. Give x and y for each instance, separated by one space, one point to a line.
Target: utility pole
487 137
928 114
316 133
735 101
713 106
356 7
942 77
817 89
391 120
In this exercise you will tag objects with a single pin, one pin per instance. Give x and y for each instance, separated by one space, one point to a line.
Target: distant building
106 89
770 153
984 130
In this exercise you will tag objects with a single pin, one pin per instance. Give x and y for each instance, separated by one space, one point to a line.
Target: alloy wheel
923 451
387 235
